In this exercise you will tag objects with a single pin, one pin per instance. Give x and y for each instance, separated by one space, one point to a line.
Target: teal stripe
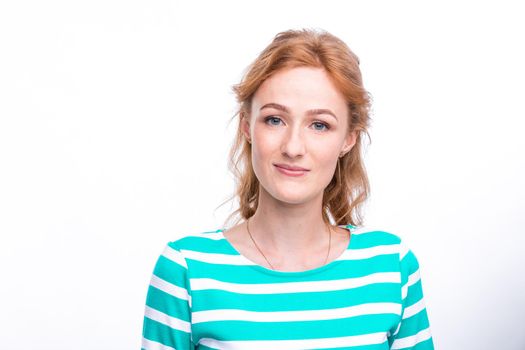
372 239
167 304
414 324
414 294
163 334
410 262
425 345
170 272
216 299
207 245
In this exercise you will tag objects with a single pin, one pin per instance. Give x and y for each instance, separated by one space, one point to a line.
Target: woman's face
298 119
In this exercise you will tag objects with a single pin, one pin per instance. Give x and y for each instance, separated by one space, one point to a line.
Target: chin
293 197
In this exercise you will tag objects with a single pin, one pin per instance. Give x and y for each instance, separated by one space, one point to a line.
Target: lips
289 170
290 167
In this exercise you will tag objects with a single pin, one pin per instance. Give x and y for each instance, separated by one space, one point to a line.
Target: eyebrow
309 112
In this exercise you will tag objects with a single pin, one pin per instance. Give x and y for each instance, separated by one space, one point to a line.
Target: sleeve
413 330
167 315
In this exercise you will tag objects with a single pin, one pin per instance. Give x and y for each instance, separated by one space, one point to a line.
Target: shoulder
188 245
385 241
368 237
374 235
196 240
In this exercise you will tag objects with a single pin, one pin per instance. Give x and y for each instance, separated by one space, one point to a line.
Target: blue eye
326 127
267 119
275 121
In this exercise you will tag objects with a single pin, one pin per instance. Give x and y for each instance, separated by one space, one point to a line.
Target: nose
293 143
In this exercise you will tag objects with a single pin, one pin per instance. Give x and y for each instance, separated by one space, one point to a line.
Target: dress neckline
293 273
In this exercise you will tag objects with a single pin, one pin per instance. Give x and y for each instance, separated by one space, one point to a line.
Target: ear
350 141
245 126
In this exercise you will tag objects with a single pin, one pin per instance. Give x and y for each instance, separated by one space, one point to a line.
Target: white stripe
167 320
216 258
397 329
412 279
321 343
291 316
414 309
403 251
295 287
366 253
411 341
153 345
175 256
169 288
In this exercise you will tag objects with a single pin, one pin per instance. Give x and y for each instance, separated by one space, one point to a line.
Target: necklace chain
264 256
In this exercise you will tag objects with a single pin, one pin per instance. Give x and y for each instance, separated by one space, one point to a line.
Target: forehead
300 88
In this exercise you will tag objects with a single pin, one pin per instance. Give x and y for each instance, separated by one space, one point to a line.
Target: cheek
329 166
326 158
264 143
326 151
262 152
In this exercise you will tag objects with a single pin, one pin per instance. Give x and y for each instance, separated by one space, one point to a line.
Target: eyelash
326 126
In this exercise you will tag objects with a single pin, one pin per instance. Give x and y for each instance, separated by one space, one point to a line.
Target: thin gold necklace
259 249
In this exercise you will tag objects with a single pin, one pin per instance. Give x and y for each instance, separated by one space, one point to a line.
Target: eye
321 126
271 119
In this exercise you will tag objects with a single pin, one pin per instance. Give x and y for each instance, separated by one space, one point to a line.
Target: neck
293 230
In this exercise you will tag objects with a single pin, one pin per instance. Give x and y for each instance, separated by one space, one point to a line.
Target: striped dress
204 294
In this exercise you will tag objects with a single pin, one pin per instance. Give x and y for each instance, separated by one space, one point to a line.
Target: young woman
300 271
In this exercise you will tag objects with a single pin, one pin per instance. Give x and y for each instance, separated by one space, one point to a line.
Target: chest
246 310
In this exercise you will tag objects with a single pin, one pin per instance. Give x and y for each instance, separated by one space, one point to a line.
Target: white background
114 136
